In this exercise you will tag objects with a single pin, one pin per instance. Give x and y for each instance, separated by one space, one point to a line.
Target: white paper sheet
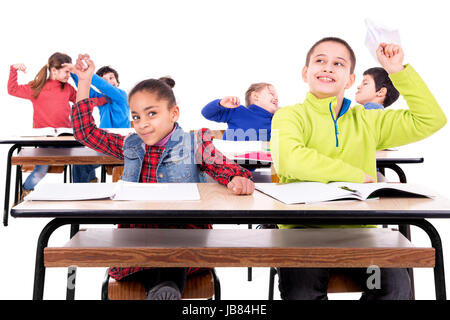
72 191
116 191
377 34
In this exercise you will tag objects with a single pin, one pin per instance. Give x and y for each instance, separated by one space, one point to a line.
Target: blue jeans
37 175
84 173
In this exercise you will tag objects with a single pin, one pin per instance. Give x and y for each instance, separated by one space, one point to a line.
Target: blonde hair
56 60
255 87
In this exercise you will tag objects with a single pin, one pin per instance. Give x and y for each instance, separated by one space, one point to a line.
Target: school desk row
66 154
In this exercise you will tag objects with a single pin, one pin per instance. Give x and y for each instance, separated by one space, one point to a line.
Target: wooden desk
391 158
219 206
62 156
19 142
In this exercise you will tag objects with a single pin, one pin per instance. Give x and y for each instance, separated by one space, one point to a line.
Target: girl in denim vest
160 151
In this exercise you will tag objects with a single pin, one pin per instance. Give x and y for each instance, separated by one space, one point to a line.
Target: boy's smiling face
328 72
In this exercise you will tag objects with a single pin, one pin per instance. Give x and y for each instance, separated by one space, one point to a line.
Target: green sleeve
295 162
423 118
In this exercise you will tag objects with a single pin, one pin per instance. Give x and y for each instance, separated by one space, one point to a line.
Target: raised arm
83 123
220 110
92 92
14 89
424 116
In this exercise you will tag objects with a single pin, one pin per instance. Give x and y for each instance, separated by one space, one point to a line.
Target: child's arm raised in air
14 89
83 123
220 110
424 116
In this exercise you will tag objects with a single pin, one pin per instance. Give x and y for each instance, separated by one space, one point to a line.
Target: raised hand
241 185
390 57
20 67
230 102
84 67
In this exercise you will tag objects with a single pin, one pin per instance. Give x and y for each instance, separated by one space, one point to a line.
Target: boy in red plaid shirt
160 151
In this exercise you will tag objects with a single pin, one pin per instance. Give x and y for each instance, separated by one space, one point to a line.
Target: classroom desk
392 158
69 152
219 206
19 142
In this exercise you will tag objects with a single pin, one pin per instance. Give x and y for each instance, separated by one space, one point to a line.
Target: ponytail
39 81
56 60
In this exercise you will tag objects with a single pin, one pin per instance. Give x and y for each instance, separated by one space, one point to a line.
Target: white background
211 49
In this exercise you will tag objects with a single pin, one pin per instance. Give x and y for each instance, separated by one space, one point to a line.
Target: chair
338 283
201 285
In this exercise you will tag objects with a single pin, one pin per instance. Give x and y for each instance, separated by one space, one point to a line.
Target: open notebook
310 192
115 191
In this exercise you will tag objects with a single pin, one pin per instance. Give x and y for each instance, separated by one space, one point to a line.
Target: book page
156 191
38 132
64 131
304 192
366 190
72 191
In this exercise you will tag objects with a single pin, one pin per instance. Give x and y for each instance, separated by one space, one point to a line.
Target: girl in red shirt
50 95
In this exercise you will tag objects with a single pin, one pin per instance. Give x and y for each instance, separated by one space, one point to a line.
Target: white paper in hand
377 34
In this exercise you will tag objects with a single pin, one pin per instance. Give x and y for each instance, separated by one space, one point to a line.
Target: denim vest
176 164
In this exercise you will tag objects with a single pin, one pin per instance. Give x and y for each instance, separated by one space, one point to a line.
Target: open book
48 132
309 192
115 191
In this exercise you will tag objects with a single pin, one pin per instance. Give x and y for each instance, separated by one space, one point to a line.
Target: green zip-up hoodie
309 143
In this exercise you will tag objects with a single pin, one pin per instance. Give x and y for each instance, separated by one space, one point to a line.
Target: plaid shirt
209 159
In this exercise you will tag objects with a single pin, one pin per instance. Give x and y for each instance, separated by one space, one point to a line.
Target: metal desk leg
72 271
436 243
8 184
39 270
249 269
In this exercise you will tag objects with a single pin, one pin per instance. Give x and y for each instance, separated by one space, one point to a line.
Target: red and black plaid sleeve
214 163
85 131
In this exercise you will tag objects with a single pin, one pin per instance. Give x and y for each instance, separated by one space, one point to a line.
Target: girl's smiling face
153 118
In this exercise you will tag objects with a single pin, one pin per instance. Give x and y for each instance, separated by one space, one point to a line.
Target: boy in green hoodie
323 139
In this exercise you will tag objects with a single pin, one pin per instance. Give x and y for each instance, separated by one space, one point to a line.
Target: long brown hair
255 87
56 60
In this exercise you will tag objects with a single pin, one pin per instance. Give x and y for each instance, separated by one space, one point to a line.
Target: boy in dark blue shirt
246 123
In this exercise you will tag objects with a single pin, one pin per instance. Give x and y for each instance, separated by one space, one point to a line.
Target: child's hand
84 70
230 102
70 66
368 178
20 67
241 185
390 57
